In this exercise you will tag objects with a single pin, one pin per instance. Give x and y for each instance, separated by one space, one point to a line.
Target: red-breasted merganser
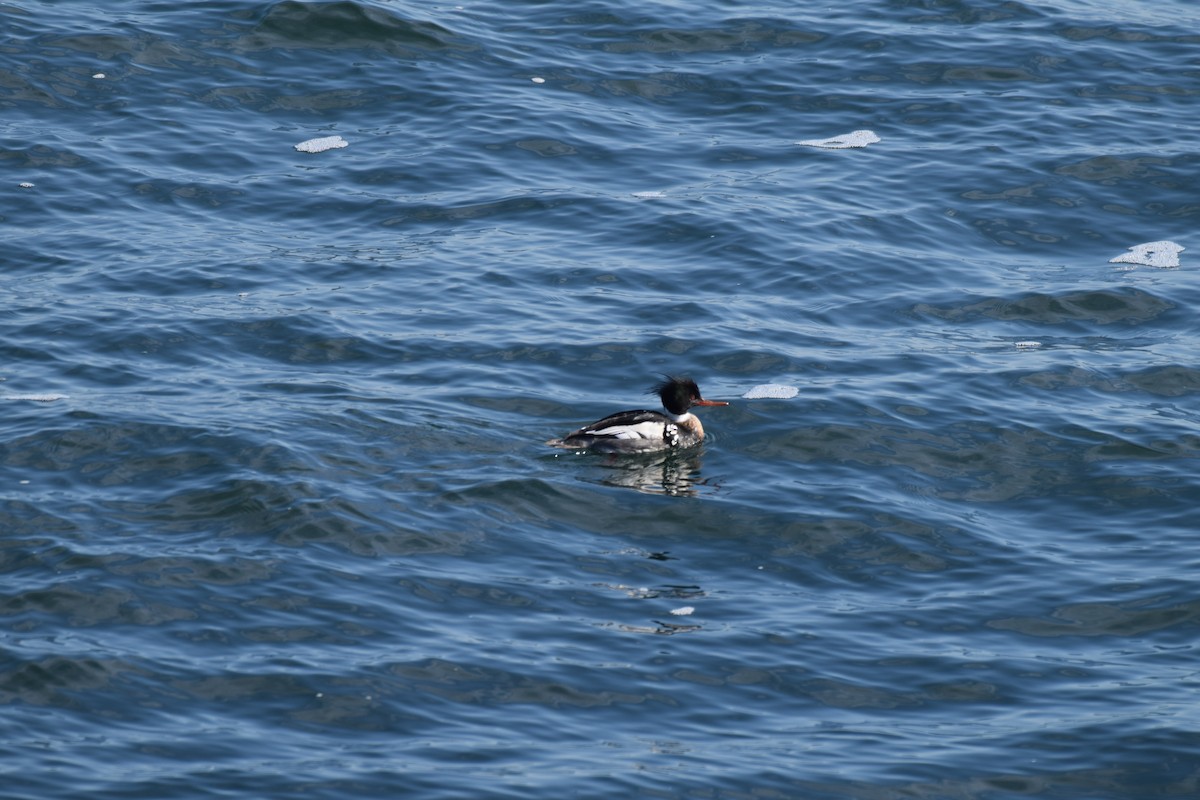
646 431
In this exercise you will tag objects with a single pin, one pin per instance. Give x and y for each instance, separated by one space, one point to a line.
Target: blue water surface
276 514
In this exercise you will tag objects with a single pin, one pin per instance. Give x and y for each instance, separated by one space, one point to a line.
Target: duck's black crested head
677 394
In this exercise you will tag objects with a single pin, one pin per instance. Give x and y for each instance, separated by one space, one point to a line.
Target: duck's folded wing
625 425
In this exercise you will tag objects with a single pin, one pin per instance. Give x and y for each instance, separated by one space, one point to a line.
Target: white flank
643 430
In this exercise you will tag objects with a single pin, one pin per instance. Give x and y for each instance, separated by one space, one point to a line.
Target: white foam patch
322 144
649 195
846 140
25 185
774 391
685 611
37 398
1151 254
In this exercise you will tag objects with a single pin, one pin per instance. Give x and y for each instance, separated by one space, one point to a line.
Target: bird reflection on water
673 473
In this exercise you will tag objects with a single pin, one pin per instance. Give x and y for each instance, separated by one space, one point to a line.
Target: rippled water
277 518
